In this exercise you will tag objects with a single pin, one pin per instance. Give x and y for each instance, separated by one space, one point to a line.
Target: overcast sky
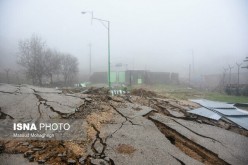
158 35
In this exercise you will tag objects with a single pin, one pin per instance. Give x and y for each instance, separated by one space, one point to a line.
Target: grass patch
185 93
226 98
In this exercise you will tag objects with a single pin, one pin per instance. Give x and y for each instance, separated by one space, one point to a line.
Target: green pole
109 83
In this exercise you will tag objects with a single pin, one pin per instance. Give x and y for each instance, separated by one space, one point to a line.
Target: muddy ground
137 128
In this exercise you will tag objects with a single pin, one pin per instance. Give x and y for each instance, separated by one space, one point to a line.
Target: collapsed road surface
140 128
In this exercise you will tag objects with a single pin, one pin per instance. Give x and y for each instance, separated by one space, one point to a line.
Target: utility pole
7 74
230 73
238 74
224 75
189 74
109 83
103 22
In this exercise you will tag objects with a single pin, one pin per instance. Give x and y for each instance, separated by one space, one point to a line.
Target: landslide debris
143 93
95 110
98 109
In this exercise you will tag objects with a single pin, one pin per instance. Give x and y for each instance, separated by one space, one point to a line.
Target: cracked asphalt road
151 146
27 101
119 130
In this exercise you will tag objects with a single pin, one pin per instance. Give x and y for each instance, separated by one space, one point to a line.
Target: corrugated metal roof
241 121
214 104
216 110
230 112
205 113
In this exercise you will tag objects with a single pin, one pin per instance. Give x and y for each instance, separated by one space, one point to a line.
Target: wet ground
137 128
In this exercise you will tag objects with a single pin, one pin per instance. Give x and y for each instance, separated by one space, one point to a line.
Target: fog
160 35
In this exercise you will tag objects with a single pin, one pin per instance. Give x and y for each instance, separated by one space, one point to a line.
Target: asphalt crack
41 100
39 110
111 135
167 113
7 92
180 161
60 104
188 146
126 118
17 91
98 154
4 115
214 140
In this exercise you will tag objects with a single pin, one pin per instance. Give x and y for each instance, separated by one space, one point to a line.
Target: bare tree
32 58
39 61
52 64
17 77
69 67
224 76
230 74
7 74
238 65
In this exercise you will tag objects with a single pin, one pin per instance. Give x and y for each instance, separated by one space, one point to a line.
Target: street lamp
108 28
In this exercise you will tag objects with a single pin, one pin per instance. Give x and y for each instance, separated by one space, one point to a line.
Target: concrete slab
205 113
229 146
176 113
45 90
27 101
8 88
150 145
19 106
134 110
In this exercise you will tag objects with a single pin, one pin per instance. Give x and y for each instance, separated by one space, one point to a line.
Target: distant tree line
41 62
235 88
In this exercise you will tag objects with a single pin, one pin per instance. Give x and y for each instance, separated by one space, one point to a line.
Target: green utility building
133 77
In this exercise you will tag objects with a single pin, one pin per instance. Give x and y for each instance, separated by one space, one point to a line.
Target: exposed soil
143 93
95 110
125 149
188 146
98 109
165 105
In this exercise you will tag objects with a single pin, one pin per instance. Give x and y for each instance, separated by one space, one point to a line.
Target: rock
25 143
36 149
99 162
1 148
42 161
81 160
71 162
28 153
60 155
30 146
88 99
64 116
31 158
